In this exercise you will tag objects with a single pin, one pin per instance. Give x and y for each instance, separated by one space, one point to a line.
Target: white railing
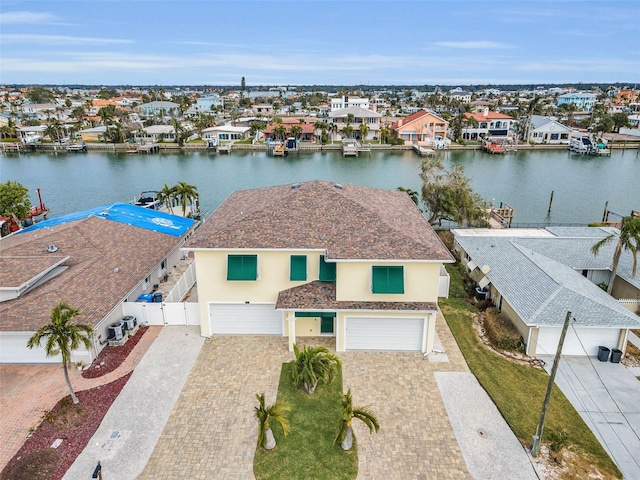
183 286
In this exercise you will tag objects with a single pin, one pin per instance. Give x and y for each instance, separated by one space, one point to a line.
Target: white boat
582 144
31 138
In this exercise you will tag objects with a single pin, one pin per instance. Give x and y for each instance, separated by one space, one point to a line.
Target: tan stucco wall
307 326
623 289
353 282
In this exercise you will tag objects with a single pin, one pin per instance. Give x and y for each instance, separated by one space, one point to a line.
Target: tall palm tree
629 239
296 131
313 365
63 336
349 412
185 194
277 412
280 131
364 130
166 197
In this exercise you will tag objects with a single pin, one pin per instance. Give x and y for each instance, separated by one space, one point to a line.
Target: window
554 136
298 270
327 271
242 267
387 279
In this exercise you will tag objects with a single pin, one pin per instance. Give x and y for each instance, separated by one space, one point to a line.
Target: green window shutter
298 270
387 279
327 271
242 267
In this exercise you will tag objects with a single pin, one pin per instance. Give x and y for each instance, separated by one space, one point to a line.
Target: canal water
524 180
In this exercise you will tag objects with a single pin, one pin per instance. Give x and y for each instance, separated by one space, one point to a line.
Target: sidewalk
129 431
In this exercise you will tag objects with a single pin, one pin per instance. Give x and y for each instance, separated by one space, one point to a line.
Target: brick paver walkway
26 391
212 431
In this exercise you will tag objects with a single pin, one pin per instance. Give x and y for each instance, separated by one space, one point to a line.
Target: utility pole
535 440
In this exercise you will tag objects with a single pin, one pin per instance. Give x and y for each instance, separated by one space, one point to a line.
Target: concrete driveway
607 397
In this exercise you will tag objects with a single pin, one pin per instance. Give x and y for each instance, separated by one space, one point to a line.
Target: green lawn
518 390
308 451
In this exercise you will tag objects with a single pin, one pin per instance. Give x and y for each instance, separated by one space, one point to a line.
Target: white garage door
590 338
383 333
241 318
13 349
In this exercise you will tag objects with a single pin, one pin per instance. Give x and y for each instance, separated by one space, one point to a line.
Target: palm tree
277 412
349 412
166 197
184 193
364 130
296 131
385 131
347 130
312 365
629 239
63 336
280 131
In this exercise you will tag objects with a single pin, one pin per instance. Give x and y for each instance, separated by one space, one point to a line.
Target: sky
322 42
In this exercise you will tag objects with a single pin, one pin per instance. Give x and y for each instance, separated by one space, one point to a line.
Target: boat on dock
77 147
492 146
586 144
148 199
36 213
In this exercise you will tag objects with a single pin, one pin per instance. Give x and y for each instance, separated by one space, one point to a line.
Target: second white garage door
242 318
382 333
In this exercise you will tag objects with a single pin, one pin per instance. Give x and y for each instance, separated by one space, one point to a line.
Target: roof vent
52 248
295 185
337 185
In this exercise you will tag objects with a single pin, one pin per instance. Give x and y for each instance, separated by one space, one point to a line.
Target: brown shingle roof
95 247
349 221
318 295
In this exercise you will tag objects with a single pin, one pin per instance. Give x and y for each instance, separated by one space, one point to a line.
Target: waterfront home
356 116
95 134
422 127
493 124
208 102
460 95
534 276
316 258
95 260
223 133
42 111
157 133
345 101
546 130
307 134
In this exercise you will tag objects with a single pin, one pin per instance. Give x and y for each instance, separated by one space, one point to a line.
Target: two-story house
488 123
316 258
422 127
356 116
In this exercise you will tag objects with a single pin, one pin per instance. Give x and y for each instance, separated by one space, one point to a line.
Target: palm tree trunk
614 267
347 443
271 441
66 377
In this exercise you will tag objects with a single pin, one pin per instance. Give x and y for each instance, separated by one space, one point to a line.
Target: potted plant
80 365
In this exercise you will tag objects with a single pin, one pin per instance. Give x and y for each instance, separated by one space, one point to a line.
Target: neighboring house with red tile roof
316 258
307 135
93 260
422 127
489 124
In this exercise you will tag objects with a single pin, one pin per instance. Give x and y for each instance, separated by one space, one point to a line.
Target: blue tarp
125 213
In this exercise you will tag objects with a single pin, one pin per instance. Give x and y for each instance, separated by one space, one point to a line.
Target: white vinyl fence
172 311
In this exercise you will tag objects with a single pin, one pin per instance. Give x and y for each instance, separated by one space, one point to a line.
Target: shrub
501 332
559 440
483 304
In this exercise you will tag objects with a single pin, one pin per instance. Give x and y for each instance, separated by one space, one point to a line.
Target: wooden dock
14 147
352 148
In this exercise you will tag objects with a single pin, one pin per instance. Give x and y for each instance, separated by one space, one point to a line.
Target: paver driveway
212 431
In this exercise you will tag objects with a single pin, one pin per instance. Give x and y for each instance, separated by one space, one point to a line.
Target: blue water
524 180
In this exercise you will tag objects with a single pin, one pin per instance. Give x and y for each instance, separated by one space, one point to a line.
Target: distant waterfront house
359 115
497 125
42 111
208 102
307 135
545 130
264 109
316 258
223 133
460 95
423 127
158 133
159 108
534 277
583 101
95 134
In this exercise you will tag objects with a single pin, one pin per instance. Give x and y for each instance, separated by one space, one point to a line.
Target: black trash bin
603 353
157 298
616 355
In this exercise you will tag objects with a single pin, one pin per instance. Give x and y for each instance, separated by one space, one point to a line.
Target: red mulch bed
74 424
111 358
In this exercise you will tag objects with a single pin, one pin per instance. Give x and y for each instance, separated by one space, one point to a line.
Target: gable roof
540 122
99 263
357 112
413 117
348 221
481 117
533 275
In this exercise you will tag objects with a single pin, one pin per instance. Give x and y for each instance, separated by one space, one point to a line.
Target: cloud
27 17
478 44
49 40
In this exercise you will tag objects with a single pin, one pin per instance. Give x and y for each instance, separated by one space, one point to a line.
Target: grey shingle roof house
535 277
320 258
